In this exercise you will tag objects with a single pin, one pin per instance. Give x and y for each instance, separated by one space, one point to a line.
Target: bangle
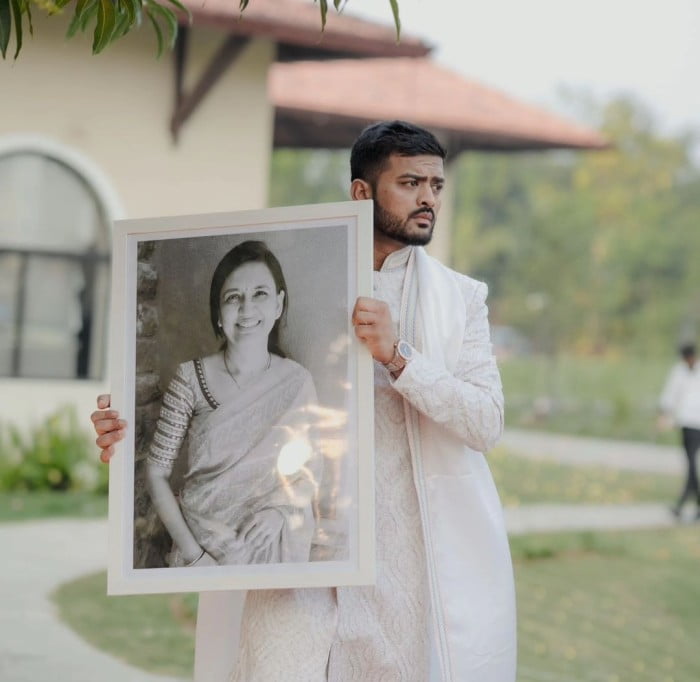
194 561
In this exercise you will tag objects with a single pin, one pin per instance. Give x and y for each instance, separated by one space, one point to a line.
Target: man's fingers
103 401
106 454
109 425
364 317
370 305
110 438
100 415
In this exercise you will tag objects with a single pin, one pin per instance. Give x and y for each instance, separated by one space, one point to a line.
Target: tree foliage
588 252
109 20
584 252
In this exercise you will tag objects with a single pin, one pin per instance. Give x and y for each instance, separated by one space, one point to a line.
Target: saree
251 454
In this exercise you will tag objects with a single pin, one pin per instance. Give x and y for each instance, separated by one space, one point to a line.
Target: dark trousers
691 444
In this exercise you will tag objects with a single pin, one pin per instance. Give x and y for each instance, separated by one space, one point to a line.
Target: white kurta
380 633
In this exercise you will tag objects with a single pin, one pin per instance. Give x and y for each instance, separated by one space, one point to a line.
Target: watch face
405 350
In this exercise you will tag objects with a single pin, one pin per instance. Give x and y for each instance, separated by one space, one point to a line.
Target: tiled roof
329 101
298 22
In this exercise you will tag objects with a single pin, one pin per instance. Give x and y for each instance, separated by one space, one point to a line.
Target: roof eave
314 129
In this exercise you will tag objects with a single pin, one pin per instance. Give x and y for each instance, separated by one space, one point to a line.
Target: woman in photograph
251 474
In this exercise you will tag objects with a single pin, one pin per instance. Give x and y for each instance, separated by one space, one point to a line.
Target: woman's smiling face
250 304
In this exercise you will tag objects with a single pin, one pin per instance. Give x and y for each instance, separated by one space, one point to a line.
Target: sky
530 48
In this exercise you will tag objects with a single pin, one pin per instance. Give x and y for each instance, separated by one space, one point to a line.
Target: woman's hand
205 559
262 528
108 427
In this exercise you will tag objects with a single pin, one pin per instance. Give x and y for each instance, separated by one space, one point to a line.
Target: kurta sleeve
175 414
469 401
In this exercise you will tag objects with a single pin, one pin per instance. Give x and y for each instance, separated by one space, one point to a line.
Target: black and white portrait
249 457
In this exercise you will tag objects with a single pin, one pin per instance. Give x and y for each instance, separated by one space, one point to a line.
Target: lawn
603 397
593 607
153 632
526 481
26 506
519 481
616 607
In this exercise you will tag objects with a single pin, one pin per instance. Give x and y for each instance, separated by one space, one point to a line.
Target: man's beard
390 225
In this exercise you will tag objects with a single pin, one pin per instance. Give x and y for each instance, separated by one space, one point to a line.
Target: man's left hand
374 327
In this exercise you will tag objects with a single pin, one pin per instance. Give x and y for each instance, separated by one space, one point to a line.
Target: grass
602 397
152 632
613 607
519 480
525 481
592 607
27 506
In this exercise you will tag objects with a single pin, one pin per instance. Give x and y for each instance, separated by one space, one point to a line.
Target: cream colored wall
114 110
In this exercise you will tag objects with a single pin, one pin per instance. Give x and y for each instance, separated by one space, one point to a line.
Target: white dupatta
469 567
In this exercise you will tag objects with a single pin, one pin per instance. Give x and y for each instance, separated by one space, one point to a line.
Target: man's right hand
108 427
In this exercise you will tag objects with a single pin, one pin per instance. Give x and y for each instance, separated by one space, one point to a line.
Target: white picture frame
161 317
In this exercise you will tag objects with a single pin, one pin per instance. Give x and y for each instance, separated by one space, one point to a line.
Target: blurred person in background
679 404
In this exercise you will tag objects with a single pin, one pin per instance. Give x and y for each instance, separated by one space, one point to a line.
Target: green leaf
88 15
17 12
82 9
5 26
124 22
157 29
136 10
323 4
60 4
182 8
29 19
168 17
397 19
106 23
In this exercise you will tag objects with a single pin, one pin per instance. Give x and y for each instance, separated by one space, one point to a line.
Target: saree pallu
251 454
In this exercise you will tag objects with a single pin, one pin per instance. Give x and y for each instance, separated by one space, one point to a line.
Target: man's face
407 198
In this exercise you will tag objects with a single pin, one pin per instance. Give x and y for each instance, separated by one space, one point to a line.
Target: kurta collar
396 259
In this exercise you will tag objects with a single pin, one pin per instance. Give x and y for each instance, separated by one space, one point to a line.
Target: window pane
52 318
44 205
48 209
9 283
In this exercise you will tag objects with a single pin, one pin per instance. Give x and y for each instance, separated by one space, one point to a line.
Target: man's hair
687 350
379 141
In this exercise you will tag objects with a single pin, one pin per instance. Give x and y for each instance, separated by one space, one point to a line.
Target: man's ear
360 189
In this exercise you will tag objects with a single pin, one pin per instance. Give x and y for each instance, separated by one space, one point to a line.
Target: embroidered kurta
381 632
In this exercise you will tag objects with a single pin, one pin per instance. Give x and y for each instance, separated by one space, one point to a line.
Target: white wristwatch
403 354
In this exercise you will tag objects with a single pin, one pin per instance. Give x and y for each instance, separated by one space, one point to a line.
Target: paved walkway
616 454
39 556
34 645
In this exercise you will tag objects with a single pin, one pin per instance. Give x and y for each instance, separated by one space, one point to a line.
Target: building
87 140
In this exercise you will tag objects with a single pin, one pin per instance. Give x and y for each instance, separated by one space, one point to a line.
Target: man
443 604
680 401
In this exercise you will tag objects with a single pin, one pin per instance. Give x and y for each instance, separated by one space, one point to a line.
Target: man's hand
108 427
374 327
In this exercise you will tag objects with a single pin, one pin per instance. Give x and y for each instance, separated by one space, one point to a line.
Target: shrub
56 455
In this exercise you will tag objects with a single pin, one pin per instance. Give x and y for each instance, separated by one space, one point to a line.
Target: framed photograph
249 457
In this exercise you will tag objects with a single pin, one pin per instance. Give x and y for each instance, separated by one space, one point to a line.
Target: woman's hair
248 252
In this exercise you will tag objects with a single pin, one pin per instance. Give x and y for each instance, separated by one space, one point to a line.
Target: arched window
54 265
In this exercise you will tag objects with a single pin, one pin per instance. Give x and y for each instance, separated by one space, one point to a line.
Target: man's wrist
403 354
